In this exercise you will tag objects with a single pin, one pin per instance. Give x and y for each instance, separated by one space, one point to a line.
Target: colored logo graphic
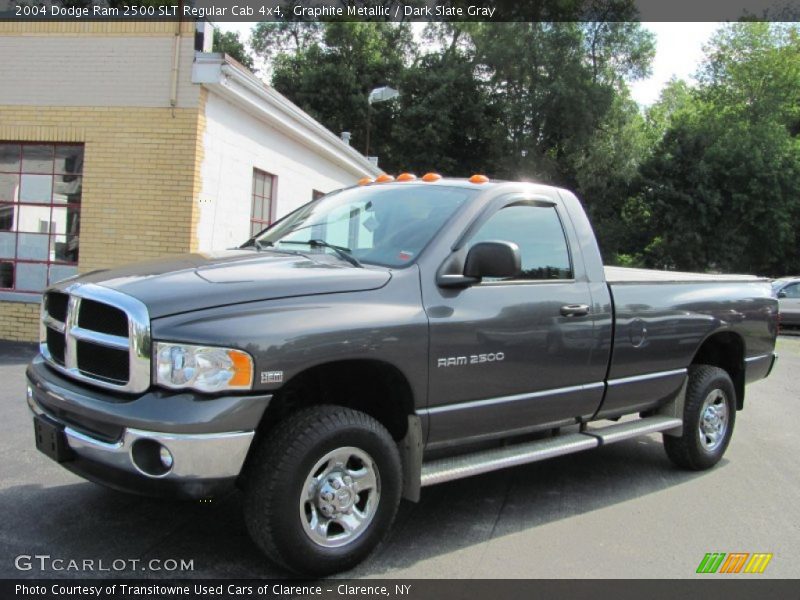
734 562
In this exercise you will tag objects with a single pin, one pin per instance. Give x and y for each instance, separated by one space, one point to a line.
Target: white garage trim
240 87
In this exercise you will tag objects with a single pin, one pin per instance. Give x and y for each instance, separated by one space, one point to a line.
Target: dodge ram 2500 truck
383 338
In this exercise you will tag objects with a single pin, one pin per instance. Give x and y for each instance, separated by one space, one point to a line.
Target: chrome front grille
97 335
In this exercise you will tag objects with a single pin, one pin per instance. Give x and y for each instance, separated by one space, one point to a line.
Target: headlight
203 368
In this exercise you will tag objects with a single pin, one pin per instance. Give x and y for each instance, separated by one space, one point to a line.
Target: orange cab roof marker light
406 177
431 177
384 178
478 179
365 181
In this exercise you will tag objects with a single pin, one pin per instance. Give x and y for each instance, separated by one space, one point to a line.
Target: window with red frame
40 204
261 209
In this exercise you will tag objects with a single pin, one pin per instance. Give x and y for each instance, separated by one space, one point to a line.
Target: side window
261 207
538 232
40 207
792 291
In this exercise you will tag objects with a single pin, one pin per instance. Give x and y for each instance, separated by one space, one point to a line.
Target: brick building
127 141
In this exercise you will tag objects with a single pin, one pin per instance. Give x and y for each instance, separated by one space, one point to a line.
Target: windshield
779 283
383 225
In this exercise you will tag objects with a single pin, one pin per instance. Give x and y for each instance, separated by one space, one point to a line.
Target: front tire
323 490
709 415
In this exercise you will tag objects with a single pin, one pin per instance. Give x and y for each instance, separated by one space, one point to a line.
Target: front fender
288 336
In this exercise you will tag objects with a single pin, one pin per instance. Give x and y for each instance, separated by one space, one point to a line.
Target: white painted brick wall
234 143
94 71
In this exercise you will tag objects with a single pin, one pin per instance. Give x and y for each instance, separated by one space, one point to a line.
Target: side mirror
493 259
782 294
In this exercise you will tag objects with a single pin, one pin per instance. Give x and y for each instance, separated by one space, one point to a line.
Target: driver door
789 304
513 355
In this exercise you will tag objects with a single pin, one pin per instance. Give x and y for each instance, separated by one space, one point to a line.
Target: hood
191 282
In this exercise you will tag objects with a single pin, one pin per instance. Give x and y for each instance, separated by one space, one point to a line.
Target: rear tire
323 490
709 415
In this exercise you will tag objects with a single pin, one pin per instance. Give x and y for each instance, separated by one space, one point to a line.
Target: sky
679 49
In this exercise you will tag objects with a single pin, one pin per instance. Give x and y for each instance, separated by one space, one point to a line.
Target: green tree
624 218
229 43
445 120
722 187
515 100
675 97
331 78
273 39
752 71
560 92
606 168
554 84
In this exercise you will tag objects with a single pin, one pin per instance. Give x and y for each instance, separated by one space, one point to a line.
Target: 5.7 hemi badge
271 376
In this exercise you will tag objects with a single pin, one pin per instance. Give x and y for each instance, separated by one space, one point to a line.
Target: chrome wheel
714 420
340 497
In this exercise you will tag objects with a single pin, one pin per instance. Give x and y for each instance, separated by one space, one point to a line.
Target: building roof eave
240 87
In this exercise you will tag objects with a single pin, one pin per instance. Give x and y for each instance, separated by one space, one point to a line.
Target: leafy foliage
722 186
229 43
331 74
707 179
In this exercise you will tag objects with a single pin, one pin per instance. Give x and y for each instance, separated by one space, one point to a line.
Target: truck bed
628 275
661 320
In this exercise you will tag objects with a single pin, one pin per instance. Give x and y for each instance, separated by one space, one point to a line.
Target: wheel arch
375 387
726 350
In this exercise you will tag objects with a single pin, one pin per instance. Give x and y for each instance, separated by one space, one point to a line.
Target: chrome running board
632 429
484 461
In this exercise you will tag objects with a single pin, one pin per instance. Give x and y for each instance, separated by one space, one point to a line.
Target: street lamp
379 94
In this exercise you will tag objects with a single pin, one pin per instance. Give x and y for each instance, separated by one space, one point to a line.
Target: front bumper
207 438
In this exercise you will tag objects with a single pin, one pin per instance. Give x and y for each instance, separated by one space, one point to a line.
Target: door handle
575 310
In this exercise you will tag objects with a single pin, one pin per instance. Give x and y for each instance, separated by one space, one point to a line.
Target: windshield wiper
341 251
261 245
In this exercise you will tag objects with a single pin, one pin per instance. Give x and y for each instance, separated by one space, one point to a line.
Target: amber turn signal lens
242 369
478 179
406 177
430 177
365 181
384 178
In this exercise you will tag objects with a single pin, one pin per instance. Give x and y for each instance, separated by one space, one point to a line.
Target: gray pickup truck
381 339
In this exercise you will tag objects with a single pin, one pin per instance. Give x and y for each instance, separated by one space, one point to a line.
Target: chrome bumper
195 457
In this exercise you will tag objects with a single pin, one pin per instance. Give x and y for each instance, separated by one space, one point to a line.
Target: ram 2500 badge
384 338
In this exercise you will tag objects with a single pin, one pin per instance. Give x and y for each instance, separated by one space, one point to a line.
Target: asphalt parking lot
620 511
